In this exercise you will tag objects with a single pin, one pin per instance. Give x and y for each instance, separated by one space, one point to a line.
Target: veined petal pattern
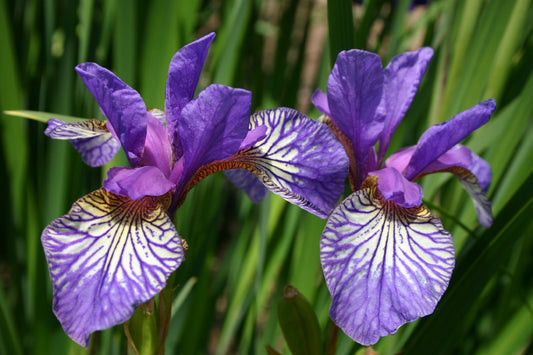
106 256
384 265
91 139
299 159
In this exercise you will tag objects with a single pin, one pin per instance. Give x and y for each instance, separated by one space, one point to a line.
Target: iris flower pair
386 259
117 246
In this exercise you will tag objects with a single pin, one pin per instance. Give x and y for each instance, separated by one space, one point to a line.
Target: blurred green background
241 255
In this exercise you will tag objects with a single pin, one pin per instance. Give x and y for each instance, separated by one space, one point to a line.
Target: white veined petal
106 256
384 265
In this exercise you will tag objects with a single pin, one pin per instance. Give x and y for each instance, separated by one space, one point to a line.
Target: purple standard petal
157 149
213 126
137 182
122 105
299 159
245 180
394 187
183 74
91 139
402 77
106 256
320 100
354 91
441 137
384 265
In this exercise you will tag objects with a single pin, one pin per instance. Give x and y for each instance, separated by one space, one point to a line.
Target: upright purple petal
355 87
183 74
157 149
106 256
441 137
213 126
394 187
384 265
402 77
320 100
91 139
299 159
122 105
137 182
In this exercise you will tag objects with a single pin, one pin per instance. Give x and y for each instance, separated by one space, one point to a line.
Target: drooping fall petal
384 265
298 159
91 139
106 256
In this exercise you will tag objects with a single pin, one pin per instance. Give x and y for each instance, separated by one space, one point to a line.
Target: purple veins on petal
384 265
299 159
91 139
106 256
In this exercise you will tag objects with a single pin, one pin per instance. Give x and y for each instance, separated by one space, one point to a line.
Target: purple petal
441 137
354 91
299 159
320 100
157 149
183 74
253 136
213 126
394 187
123 107
106 256
137 182
245 180
91 139
384 265
402 77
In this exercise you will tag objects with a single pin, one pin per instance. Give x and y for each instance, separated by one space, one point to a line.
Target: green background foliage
241 255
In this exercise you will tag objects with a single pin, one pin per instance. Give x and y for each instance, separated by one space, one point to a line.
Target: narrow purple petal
441 137
384 265
137 183
106 256
402 77
299 159
91 139
183 74
354 92
157 149
320 100
248 182
213 126
122 105
394 187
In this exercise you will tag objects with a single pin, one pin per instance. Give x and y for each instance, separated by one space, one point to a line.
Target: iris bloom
386 259
117 246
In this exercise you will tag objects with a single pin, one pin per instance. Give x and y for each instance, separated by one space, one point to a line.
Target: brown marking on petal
371 183
237 161
184 244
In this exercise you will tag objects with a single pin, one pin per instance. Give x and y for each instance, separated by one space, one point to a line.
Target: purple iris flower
386 259
117 246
